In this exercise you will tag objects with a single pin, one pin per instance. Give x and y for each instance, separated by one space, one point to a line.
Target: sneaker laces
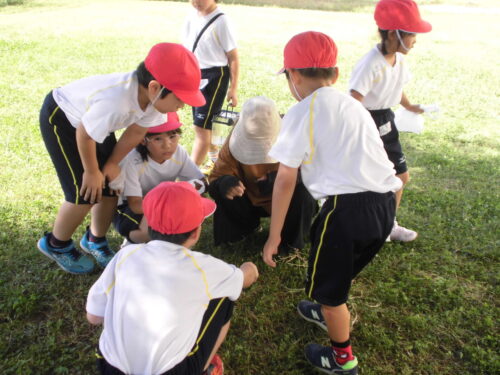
74 254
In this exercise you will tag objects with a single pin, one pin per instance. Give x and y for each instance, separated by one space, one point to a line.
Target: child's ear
195 235
153 88
335 75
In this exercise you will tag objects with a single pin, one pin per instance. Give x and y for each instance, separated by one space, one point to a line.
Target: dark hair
143 150
384 35
323 73
178 238
144 77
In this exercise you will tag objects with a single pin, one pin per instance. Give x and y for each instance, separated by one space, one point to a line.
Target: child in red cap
78 121
331 137
377 81
158 158
208 33
165 308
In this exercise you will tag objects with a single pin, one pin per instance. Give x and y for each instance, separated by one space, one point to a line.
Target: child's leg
102 216
338 320
404 177
141 234
69 217
220 339
201 144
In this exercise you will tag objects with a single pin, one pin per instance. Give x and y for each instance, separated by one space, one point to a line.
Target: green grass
428 307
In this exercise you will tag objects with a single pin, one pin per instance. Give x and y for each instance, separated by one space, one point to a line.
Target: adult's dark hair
178 239
143 150
323 73
384 35
144 77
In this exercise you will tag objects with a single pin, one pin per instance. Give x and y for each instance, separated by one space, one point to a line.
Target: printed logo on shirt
385 129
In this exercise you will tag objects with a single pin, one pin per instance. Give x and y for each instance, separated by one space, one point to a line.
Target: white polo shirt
153 297
215 42
105 103
142 176
336 144
380 83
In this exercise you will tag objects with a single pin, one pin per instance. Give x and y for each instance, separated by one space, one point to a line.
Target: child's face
409 41
204 6
161 146
170 103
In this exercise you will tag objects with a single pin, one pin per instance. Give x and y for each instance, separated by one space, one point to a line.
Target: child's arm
234 69
282 195
410 107
94 319
135 204
93 179
356 95
250 273
130 138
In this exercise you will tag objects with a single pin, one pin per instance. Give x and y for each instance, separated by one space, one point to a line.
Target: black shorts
218 313
348 232
214 92
60 140
125 220
384 119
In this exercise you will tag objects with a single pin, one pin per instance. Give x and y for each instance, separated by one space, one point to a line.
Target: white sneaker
399 233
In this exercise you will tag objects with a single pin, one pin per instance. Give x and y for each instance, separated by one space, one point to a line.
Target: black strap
203 30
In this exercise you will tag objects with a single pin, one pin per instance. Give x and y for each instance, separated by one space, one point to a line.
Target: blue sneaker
312 313
323 359
99 250
68 258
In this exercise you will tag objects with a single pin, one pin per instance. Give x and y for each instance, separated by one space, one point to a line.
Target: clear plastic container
222 124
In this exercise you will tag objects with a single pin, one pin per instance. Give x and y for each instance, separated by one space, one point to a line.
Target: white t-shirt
215 42
105 103
336 144
142 176
380 83
153 297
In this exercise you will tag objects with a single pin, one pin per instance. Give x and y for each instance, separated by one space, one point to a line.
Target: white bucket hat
255 132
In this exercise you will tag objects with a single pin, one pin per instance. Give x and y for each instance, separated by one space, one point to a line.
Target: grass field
427 307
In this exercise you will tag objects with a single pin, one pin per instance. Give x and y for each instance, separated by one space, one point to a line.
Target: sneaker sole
323 327
60 266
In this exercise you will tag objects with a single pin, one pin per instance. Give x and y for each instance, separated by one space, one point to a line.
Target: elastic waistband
214 69
358 199
378 112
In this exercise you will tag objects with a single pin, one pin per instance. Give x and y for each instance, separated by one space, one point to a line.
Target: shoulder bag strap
203 30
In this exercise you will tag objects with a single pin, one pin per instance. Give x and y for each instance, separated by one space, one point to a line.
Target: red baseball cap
400 15
177 69
310 49
176 207
172 123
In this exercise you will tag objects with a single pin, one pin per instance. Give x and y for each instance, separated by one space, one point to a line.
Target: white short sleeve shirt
336 144
215 42
104 104
153 297
380 83
141 176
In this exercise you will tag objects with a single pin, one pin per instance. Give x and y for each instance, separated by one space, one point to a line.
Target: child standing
378 78
158 158
78 121
209 35
331 137
165 308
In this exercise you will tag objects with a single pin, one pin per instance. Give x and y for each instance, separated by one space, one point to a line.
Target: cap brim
209 207
192 98
169 126
281 71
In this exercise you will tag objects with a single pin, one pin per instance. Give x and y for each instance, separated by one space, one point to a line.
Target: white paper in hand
407 121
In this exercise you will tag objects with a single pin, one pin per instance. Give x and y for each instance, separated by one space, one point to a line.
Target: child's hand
250 273
270 249
232 97
236 191
92 185
111 171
